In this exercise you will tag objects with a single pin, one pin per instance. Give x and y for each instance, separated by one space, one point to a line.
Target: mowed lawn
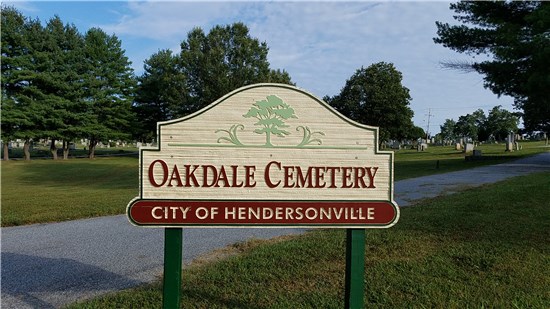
438 159
45 190
482 248
41 191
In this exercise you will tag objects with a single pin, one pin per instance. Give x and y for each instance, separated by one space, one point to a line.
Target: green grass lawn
44 190
40 191
482 248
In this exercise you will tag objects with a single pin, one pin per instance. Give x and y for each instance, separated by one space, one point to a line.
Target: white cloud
321 44
167 20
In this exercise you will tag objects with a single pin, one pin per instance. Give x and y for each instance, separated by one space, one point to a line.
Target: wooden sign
265 155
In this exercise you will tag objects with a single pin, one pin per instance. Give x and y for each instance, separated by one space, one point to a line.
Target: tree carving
271 114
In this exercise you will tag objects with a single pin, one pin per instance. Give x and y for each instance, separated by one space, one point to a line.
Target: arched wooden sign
265 155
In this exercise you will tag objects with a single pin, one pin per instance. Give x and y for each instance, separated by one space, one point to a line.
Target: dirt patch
234 249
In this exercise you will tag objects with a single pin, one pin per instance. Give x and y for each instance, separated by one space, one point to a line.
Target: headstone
458 146
477 153
469 147
422 147
510 142
395 145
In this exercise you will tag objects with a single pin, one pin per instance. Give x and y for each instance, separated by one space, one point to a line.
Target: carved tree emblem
271 114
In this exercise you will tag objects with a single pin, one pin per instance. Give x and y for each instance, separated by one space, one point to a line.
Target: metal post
355 269
172 268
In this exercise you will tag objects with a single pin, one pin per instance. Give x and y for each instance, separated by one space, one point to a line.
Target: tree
415 133
62 84
40 83
109 87
59 86
448 130
15 113
515 34
501 122
223 60
270 114
472 126
375 96
161 93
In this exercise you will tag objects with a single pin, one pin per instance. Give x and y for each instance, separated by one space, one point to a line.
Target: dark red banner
261 213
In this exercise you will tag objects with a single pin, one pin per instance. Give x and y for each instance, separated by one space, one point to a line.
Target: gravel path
51 265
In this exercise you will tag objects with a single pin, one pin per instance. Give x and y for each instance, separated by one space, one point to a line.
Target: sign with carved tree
265 155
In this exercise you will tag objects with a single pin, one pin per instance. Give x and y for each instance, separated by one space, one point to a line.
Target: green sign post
172 268
265 155
355 269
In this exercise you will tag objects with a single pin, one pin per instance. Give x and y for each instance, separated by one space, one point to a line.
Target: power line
459 107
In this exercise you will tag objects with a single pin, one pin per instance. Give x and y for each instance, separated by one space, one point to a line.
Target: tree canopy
58 84
375 96
472 126
479 127
515 34
223 60
109 89
208 67
17 105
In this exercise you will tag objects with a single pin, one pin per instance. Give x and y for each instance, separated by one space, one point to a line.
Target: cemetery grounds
484 247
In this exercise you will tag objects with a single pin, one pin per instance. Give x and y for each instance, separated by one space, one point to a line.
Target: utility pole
428 127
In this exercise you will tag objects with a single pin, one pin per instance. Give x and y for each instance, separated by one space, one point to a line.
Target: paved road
50 265
410 190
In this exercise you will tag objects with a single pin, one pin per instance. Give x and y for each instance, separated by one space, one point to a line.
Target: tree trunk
65 150
268 139
6 151
53 149
91 151
26 150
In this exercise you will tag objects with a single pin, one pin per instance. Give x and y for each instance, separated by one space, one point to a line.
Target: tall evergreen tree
161 94
22 58
59 85
109 86
62 84
515 35
13 52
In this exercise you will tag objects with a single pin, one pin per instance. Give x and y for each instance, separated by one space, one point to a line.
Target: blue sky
320 44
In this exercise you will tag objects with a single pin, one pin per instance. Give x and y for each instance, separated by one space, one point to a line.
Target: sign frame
391 205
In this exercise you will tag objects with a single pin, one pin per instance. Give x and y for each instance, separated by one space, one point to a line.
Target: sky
320 44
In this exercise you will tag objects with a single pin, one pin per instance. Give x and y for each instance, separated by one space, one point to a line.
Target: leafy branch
309 137
233 139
